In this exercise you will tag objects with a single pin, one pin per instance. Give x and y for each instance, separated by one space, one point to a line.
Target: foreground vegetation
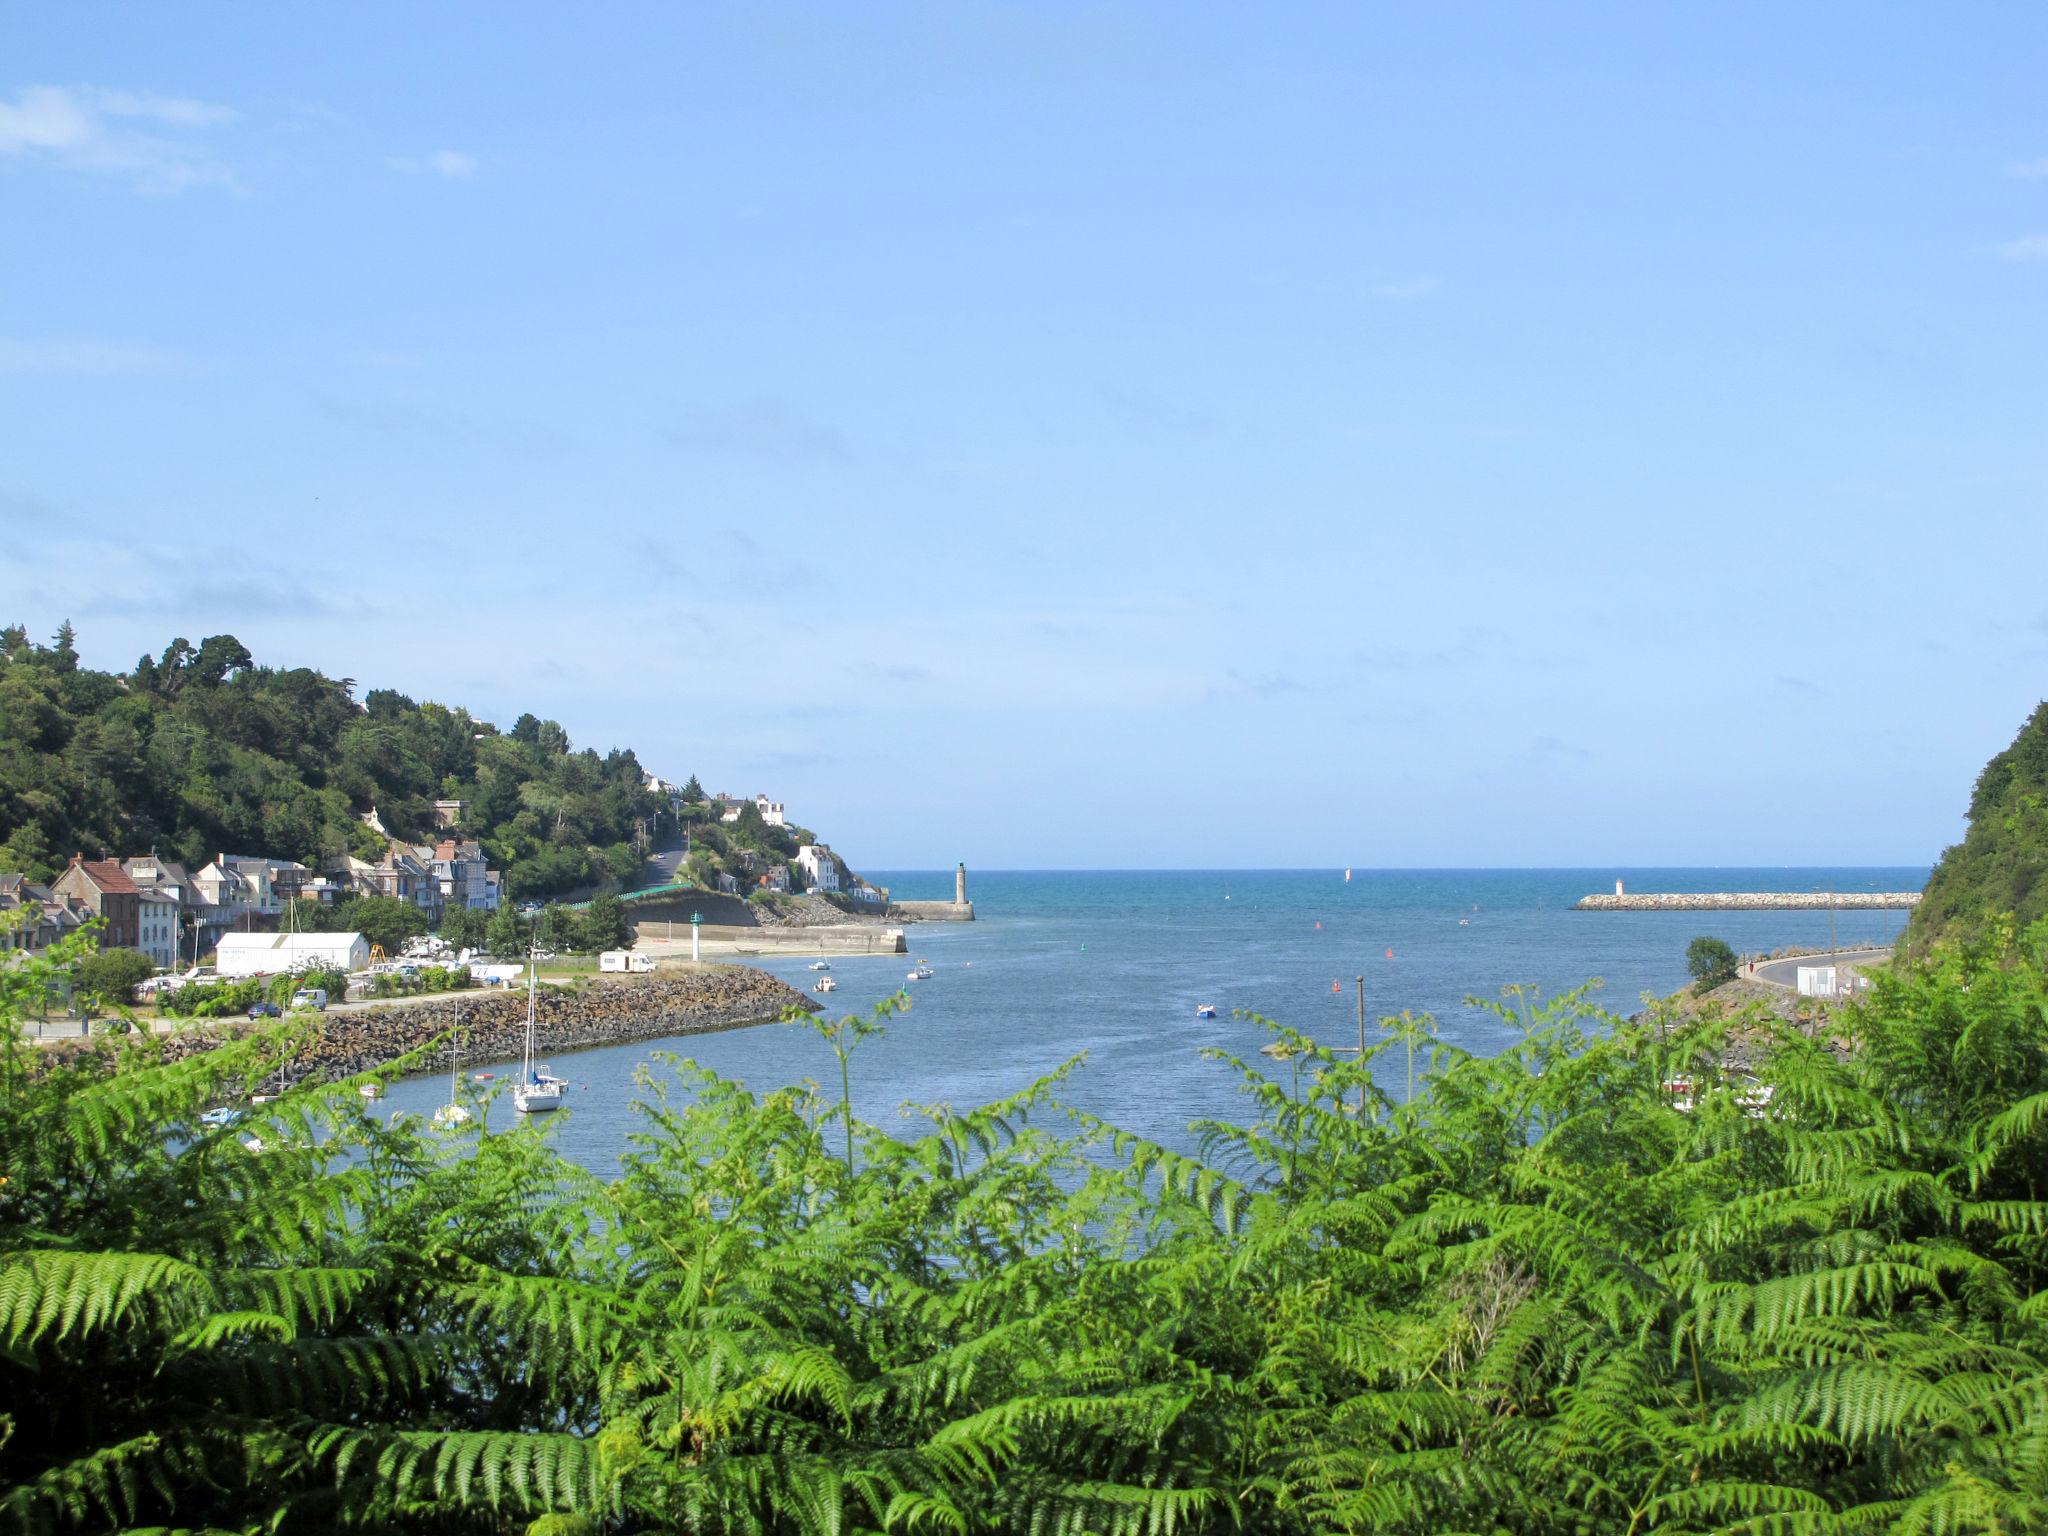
1537 1298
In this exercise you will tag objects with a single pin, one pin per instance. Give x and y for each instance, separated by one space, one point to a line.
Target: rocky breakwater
1746 901
491 1026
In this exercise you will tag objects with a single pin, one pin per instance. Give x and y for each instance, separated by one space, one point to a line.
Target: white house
273 954
771 811
821 870
156 925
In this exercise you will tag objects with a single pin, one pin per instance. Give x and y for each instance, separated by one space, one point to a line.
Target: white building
273 954
156 923
821 870
771 811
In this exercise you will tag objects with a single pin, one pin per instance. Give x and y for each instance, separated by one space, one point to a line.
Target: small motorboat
821 965
1205 1010
825 984
922 973
370 1091
481 1077
218 1119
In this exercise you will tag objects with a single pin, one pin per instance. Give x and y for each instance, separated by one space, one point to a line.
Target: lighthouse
960 884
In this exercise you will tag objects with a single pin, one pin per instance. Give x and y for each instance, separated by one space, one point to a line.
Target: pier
1748 901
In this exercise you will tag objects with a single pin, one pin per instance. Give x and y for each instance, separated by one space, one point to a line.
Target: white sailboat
453 1112
538 1090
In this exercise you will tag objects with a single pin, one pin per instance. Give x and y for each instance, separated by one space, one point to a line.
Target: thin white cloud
1408 288
449 164
2026 248
84 357
147 139
765 427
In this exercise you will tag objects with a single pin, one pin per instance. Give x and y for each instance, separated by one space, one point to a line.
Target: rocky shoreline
490 1026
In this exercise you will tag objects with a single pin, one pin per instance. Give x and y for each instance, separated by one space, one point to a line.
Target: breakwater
1749 901
490 1026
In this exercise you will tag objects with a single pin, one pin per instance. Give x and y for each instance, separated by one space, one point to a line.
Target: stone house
103 888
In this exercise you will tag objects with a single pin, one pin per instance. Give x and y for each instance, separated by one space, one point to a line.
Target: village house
404 873
450 813
463 876
33 917
821 869
196 922
251 892
777 879
156 923
104 889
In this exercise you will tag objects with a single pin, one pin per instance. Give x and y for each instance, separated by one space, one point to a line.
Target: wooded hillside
1999 865
201 750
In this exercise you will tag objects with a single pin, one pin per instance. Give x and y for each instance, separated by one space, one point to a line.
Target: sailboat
1347 877
453 1112
538 1090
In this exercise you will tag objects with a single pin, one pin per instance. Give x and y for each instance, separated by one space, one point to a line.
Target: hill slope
199 751
1999 865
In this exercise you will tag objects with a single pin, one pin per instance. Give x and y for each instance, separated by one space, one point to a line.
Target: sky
1077 435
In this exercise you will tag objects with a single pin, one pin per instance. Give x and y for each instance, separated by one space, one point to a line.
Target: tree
112 975
508 934
604 924
464 927
1710 963
386 921
559 929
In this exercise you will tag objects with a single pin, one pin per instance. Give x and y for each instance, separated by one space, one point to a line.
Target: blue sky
1074 435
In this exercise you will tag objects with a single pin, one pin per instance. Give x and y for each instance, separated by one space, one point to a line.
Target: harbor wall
490 1026
1747 901
839 939
933 911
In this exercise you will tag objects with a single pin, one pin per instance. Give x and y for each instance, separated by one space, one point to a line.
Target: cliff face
1999 865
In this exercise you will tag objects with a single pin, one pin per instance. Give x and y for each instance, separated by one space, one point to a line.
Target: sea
1111 965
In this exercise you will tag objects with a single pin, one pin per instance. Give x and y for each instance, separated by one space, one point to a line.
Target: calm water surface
1113 964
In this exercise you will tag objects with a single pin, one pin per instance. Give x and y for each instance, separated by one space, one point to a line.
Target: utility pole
1361 1046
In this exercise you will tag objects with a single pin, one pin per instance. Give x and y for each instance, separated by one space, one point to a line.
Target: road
1785 973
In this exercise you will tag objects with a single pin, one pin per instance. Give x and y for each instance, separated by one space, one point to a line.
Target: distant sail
1347 876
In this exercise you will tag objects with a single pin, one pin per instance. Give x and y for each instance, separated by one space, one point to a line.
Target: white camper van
625 960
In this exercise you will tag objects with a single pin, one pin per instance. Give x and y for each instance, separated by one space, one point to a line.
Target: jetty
1747 901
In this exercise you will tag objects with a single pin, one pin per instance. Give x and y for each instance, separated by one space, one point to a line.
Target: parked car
265 1011
311 997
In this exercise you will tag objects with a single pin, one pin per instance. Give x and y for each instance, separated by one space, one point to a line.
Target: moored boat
538 1090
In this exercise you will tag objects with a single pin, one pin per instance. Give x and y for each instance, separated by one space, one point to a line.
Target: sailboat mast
532 980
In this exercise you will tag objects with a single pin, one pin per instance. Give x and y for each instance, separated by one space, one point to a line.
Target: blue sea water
1114 963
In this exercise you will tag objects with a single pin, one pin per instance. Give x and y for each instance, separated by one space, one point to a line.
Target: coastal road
1785 973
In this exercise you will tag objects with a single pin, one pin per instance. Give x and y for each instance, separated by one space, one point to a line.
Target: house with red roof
105 889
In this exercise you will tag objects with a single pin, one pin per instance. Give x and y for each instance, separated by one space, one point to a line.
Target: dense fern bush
1517 1294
